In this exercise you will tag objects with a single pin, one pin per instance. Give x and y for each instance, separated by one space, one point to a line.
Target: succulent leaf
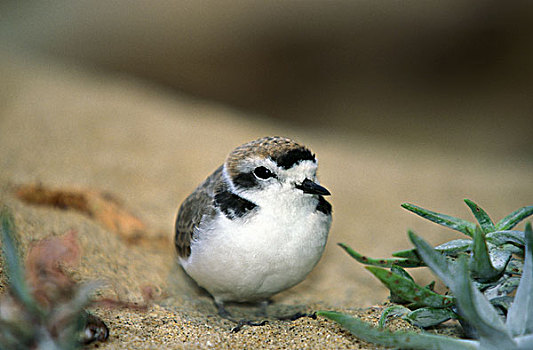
15 333
520 316
524 342
435 260
499 258
495 263
397 339
401 271
448 248
515 267
504 286
70 315
503 303
479 312
380 262
513 249
394 310
454 223
407 254
428 316
14 269
501 237
24 323
395 298
514 218
481 216
480 263
455 246
473 305
408 290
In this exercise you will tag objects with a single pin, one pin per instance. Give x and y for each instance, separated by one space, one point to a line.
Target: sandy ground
65 127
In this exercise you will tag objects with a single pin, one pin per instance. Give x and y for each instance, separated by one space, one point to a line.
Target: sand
62 126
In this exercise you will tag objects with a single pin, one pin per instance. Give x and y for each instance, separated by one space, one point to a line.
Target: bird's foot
222 312
294 317
262 313
262 310
242 323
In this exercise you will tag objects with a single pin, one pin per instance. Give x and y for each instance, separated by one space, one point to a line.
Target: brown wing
197 207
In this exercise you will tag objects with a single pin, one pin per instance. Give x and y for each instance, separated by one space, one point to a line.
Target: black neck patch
232 205
323 206
288 159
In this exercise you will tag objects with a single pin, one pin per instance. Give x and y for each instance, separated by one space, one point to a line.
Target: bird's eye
263 173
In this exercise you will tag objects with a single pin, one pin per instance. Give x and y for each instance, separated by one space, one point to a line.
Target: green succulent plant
472 306
491 250
25 323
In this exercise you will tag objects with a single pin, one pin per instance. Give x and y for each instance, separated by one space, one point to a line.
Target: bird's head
271 168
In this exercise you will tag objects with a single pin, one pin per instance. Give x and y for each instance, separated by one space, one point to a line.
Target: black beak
311 187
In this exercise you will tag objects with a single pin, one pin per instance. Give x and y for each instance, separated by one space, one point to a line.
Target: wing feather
197 208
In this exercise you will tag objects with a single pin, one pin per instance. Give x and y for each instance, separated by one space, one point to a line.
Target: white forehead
305 169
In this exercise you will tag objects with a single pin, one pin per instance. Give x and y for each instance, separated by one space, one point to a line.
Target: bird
257 225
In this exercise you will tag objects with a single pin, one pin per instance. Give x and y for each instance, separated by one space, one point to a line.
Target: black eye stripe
252 178
245 180
263 173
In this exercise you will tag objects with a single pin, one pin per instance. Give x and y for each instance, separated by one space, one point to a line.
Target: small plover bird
257 225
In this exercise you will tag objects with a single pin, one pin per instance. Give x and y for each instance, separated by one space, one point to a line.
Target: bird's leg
222 312
240 323
262 312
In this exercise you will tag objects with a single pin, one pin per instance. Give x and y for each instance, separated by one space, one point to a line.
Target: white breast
255 257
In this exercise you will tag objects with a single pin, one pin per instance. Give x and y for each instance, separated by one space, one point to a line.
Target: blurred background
403 101
453 75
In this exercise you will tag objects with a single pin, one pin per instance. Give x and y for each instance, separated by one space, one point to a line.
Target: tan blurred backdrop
455 75
402 101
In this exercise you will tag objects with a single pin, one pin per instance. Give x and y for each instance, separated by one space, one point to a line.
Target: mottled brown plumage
192 210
